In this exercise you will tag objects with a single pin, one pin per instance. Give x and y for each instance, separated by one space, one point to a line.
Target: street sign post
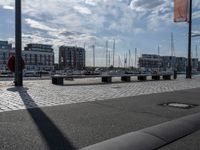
18 45
183 14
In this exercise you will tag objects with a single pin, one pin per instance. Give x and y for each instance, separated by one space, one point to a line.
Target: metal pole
106 54
84 45
114 54
189 67
135 57
196 51
93 56
118 61
18 45
129 58
172 45
158 57
109 59
158 50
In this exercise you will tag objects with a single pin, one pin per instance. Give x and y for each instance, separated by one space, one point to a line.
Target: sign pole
189 67
18 45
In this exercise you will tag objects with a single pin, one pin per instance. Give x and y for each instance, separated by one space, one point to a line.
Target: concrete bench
59 79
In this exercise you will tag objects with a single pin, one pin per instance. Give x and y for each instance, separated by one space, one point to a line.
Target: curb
152 137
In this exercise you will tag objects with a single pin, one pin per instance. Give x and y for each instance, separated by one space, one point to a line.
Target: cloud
7 3
38 25
90 2
8 7
196 32
75 22
196 15
158 13
82 10
145 5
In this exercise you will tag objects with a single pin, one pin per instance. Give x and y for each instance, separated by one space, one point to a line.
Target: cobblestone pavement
41 93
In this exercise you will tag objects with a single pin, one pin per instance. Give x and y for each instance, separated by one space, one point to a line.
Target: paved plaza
41 93
75 116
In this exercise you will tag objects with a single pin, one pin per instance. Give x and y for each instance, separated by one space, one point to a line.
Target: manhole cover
179 105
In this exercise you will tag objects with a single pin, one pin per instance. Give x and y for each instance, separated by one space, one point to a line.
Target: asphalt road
78 125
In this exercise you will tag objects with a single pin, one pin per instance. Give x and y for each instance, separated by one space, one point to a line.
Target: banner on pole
181 10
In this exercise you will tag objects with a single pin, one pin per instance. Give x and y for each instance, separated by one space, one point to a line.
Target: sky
141 24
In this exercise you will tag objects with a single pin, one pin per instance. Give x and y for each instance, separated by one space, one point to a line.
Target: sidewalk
78 125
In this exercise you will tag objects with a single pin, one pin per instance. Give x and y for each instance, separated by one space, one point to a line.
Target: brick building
71 57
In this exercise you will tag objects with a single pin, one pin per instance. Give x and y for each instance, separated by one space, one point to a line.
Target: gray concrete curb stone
153 137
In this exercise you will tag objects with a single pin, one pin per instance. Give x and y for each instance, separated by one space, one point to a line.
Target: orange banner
181 10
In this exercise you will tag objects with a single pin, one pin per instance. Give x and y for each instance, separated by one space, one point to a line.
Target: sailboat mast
106 54
93 55
114 54
172 45
135 57
129 58
118 61
196 51
108 58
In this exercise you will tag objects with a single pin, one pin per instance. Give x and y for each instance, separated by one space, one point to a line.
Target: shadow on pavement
49 131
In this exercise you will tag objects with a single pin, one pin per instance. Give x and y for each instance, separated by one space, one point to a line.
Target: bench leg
142 78
155 77
126 79
57 81
167 77
106 79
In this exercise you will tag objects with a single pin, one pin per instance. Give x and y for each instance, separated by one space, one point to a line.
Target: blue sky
141 24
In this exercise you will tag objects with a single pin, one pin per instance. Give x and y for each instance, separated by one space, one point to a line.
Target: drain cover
179 105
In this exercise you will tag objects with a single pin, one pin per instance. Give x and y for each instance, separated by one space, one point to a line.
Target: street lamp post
189 67
18 45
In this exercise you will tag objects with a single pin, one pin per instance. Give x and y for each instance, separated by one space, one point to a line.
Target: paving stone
41 93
